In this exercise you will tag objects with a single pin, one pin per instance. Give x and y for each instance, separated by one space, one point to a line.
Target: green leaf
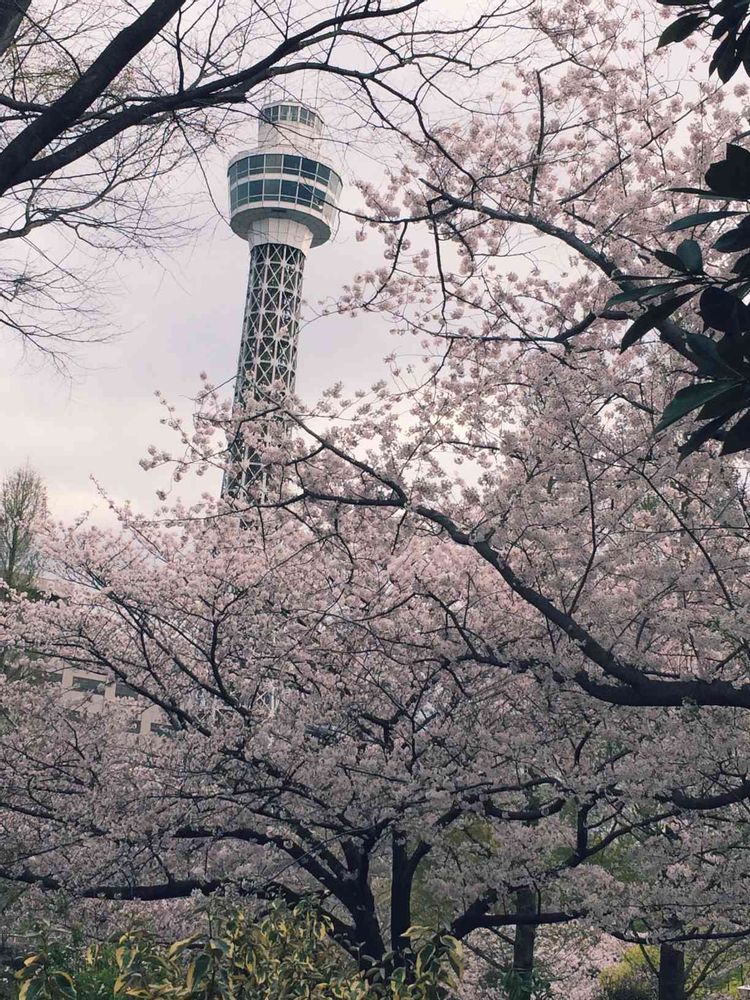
197 970
727 58
726 403
64 983
669 260
734 241
738 438
178 946
730 177
689 252
652 317
679 30
700 436
689 399
646 292
702 193
30 989
722 310
708 361
700 219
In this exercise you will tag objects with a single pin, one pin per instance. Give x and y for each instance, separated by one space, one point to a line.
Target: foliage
722 358
283 955
720 401
730 24
23 507
516 986
630 979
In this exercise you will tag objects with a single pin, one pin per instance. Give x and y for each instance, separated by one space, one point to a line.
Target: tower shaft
267 363
268 350
282 200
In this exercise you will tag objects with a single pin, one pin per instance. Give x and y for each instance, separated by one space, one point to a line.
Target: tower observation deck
282 198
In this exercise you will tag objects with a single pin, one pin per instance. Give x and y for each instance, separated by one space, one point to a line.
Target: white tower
282 199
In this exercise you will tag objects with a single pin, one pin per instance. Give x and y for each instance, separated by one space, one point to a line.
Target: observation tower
282 199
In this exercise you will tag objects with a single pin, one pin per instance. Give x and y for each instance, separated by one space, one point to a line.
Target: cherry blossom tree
527 445
355 707
474 655
324 733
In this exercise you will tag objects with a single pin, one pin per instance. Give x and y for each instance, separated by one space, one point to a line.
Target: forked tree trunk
671 973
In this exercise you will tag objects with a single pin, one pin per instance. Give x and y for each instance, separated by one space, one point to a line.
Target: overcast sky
176 317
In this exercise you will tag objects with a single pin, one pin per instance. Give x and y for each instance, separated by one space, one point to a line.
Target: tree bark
12 12
671 973
523 944
400 896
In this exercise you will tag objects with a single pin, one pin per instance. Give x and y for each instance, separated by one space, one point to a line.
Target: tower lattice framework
268 350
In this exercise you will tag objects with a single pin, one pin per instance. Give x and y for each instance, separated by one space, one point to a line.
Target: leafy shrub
630 979
283 956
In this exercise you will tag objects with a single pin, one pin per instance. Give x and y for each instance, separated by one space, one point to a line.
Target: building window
293 113
162 729
288 191
321 197
89 684
123 690
276 163
305 194
309 168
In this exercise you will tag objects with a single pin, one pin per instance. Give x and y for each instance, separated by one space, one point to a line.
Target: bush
630 979
283 956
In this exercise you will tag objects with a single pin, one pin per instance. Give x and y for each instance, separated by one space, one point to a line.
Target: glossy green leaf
652 317
730 177
689 253
690 399
700 436
721 310
701 219
680 29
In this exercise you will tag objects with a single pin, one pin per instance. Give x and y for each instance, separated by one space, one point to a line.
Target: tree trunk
523 944
401 878
11 14
671 973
